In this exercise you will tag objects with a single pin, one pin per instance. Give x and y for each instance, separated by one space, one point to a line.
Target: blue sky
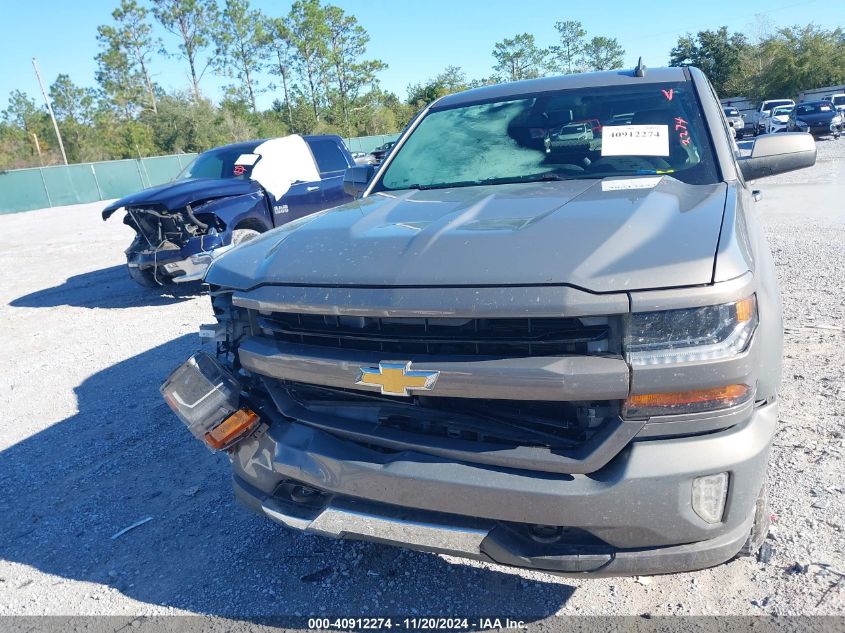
417 39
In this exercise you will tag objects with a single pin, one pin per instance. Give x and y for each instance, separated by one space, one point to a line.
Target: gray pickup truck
518 347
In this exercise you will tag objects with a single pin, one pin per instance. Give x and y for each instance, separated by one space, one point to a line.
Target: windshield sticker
668 93
635 140
239 170
681 129
621 184
246 159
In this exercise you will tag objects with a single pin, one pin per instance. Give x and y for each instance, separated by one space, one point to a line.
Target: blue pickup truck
226 196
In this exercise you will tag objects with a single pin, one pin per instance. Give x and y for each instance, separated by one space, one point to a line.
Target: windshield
567 134
731 112
781 110
221 163
813 108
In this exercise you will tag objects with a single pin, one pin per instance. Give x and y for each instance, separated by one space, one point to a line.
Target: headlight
801 124
205 396
693 334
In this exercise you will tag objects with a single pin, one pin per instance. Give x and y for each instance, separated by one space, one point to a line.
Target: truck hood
175 195
599 235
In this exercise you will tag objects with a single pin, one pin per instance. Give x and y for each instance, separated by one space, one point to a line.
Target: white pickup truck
838 101
756 121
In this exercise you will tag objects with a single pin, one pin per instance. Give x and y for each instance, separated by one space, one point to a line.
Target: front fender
234 210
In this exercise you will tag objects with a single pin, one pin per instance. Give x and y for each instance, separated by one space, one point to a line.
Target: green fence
368 143
27 189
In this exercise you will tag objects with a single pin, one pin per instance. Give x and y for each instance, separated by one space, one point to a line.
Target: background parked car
364 158
765 111
779 119
381 152
735 121
574 132
819 118
838 101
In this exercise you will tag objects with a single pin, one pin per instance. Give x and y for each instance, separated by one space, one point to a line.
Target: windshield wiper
547 176
443 185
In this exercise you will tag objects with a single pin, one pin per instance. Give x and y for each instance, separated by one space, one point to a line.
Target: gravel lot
89 448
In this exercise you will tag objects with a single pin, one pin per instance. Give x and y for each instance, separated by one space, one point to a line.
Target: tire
239 236
760 527
144 277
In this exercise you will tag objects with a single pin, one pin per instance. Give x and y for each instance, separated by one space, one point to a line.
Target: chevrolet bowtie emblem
396 378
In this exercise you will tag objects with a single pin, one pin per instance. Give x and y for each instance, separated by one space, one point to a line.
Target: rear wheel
760 527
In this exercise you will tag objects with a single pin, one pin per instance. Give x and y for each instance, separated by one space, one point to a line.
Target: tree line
772 63
314 62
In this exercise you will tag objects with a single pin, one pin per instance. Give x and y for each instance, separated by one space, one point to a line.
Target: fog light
708 496
202 393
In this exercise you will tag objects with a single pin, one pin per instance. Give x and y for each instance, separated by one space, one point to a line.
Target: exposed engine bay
156 228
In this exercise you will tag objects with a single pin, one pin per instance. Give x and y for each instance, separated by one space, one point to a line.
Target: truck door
303 198
332 163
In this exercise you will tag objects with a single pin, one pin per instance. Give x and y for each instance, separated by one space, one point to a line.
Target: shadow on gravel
107 288
124 457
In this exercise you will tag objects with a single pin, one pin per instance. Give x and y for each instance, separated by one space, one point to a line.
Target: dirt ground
89 448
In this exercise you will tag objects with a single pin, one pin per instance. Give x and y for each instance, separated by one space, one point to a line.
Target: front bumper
821 129
633 516
194 267
185 264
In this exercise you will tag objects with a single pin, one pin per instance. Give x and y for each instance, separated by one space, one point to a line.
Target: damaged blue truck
227 196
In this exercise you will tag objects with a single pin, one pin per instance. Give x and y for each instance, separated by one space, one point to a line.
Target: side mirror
778 153
356 179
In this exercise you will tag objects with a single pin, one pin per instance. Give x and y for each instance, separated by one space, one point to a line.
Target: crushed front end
172 246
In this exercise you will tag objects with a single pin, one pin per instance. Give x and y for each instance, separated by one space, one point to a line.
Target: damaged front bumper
633 516
183 264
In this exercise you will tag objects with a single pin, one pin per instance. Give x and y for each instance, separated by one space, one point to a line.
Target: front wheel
144 277
239 236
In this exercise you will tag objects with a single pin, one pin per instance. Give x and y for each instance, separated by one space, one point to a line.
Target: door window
328 155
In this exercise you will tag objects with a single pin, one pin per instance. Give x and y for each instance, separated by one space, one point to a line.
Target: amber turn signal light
745 311
239 423
649 404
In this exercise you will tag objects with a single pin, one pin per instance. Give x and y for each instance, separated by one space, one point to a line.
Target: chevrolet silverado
553 352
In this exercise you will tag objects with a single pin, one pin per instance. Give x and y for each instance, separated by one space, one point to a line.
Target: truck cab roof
563 82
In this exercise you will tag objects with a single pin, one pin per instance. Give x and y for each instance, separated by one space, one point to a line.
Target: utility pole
37 148
50 109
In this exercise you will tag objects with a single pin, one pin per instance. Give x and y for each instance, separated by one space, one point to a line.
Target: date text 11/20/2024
416 623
